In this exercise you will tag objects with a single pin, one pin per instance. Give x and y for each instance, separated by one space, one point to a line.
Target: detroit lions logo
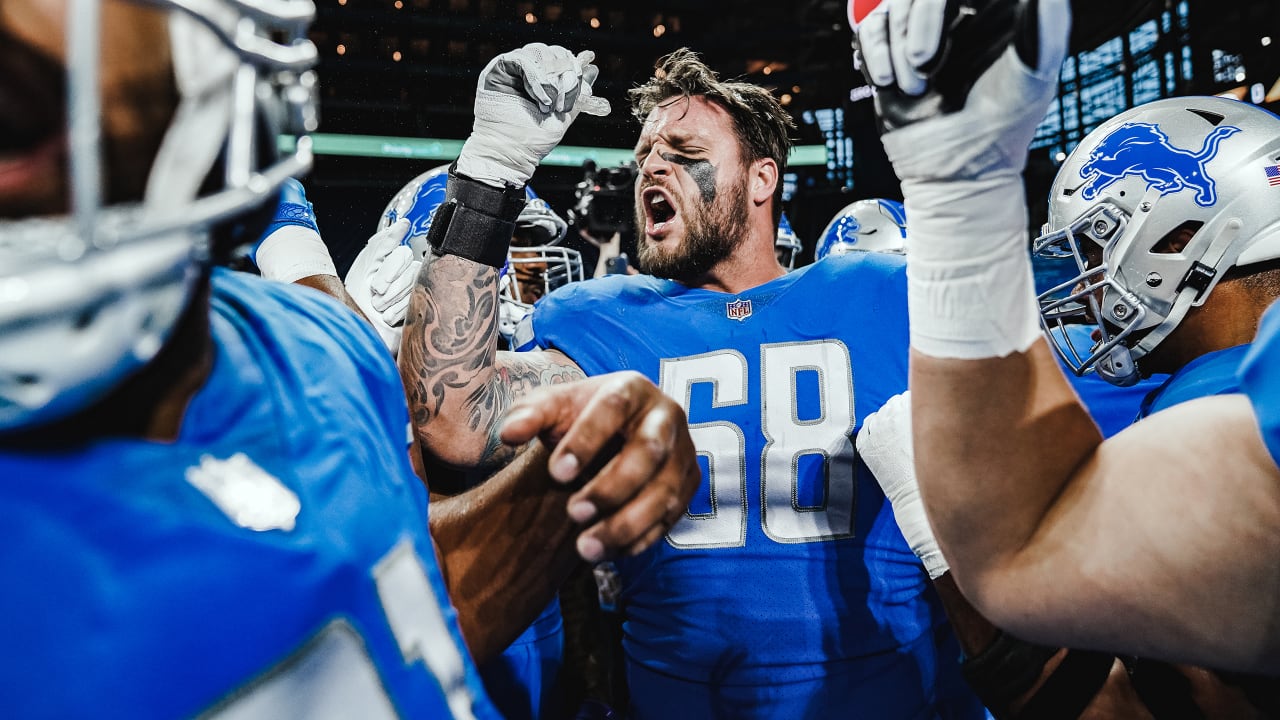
850 228
429 197
1144 149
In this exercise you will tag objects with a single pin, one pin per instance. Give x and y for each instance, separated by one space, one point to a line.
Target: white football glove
884 444
525 101
381 280
955 109
962 85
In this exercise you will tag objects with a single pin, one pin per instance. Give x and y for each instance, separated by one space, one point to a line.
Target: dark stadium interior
407 69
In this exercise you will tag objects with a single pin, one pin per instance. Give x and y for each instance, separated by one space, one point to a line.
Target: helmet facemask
1174 193
88 298
529 275
787 245
1089 241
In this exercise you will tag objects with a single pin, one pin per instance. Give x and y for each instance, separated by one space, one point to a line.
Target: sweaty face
138 98
691 194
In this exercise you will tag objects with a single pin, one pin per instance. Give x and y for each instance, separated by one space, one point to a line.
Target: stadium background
398 82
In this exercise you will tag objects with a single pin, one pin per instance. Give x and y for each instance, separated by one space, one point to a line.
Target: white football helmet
1197 169
536 263
865 226
88 298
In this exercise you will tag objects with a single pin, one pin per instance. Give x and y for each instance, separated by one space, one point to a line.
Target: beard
712 231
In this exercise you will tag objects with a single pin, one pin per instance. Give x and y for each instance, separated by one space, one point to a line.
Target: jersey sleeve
315 319
536 329
1260 379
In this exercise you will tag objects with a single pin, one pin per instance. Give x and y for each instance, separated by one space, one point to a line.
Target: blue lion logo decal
848 229
429 197
843 232
1144 149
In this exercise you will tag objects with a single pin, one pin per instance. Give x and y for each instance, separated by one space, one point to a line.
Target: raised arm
1015 678
291 249
457 383
1161 541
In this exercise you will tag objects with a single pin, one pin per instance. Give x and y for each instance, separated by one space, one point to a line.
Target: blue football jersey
788 565
1112 407
1260 379
524 681
271 562
1214 373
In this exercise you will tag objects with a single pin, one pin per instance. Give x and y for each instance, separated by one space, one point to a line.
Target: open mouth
657 208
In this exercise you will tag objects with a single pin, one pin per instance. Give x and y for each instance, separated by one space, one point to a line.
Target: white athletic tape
971 293
293 252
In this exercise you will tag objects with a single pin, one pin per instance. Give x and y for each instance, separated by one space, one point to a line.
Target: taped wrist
293 252
476 220
1006 669
970 289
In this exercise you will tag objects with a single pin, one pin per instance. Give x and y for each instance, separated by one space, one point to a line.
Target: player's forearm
997 441
506 547
447 362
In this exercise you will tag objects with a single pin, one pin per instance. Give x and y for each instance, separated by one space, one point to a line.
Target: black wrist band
476 220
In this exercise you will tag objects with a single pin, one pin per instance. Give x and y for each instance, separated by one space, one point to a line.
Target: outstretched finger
549 411
527 420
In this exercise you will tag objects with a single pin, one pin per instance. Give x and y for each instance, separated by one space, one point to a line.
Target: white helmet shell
873 225
1155 206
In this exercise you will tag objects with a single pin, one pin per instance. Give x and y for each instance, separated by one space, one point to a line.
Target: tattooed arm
458 384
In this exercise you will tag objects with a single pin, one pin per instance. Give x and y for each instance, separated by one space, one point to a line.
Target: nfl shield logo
738 309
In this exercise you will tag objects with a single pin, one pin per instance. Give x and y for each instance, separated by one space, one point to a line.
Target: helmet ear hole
1177 239
84 319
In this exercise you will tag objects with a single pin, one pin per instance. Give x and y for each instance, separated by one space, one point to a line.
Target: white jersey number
787 440
333 677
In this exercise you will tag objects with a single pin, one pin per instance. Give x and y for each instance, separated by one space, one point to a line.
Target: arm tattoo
450 363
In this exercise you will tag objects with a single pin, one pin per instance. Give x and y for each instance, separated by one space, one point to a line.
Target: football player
211 508
1160 540
1014 679
786 590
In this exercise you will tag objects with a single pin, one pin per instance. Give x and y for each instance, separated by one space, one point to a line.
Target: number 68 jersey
788 565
